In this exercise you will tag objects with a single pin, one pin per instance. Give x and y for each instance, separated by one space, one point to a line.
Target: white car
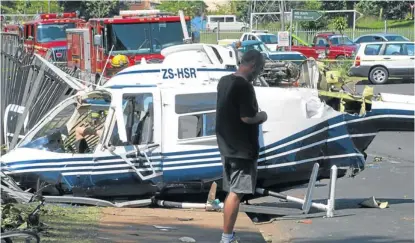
270 40
381 60
226 22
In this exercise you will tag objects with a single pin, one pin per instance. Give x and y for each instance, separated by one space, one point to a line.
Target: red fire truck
105 46
13 28
47 31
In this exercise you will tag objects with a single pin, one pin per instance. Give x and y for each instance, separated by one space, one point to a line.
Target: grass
68 223
371 22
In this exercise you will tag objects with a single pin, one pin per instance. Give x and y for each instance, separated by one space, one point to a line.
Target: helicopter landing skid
306 203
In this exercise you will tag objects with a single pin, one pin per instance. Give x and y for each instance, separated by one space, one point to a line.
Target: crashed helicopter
156 134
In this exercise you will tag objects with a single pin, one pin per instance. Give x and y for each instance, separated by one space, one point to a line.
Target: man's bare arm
259 118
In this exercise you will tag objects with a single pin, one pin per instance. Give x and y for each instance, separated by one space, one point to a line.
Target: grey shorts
239 175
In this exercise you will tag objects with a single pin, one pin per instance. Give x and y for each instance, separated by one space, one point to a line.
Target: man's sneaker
233 240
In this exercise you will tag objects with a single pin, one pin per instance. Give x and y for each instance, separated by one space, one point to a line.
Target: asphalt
389 180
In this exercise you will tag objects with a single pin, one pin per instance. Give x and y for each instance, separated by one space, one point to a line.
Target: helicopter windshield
144 38
52 32
60 133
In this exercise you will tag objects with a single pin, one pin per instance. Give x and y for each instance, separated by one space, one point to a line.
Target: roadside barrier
29 90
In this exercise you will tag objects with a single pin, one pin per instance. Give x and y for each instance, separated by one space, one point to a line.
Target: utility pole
282 17
48 6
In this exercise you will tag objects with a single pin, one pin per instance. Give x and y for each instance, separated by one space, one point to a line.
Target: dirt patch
168 225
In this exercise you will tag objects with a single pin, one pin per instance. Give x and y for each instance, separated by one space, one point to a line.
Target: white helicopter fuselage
158 135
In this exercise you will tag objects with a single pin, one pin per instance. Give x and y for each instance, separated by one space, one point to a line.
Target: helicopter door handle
412 58
386 58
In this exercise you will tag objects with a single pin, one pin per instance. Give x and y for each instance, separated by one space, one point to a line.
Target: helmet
94 117
119 61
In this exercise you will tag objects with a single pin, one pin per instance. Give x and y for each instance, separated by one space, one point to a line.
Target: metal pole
291 26
251 21
217 33
354 23
48 6
296 28
332 192
282 15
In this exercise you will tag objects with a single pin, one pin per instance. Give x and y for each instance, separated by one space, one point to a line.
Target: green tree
314 25
100 9
368 8
190 8
30 7
340 24
94 9
384 9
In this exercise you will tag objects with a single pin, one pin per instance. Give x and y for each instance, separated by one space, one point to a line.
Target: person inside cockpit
91 129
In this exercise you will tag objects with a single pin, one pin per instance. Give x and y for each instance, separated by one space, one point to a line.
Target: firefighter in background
197 25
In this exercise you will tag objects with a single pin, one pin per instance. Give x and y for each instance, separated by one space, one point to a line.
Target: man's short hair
253 57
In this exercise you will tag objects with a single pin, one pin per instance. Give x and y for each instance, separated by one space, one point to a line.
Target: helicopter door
136 133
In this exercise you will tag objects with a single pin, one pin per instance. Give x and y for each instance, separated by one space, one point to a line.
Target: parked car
381 60
269 39
226 22
293 56
333 45
379 38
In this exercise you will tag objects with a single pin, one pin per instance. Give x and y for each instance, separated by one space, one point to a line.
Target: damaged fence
29 89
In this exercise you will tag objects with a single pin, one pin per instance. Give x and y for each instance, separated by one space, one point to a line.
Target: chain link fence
210 37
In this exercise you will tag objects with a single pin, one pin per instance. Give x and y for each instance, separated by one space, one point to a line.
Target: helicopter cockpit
58 133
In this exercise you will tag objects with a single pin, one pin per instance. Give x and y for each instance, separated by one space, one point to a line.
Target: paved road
390 180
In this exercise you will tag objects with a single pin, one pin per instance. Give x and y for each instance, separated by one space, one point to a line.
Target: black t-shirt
236 98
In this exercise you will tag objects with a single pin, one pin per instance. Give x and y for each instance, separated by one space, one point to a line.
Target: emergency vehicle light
137 13
59 15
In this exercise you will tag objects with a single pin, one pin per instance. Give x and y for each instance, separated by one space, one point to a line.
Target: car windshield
269 39
144 38
340 41
52 32
396 38
259 47
295 58
410 49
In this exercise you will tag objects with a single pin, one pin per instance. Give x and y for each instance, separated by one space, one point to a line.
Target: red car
335 46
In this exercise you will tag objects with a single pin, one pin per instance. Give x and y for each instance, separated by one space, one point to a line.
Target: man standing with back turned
237 131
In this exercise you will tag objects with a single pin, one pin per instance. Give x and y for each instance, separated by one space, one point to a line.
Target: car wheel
378 75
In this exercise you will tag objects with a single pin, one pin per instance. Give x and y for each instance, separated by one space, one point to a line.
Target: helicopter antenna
105 66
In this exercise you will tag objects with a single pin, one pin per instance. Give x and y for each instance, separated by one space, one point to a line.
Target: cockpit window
138 118
77 128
